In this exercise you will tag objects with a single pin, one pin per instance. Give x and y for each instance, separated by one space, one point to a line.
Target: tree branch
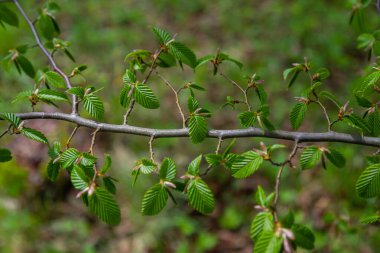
47 54
224 134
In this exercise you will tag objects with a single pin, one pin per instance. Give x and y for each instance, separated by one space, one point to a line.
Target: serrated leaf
11 118
336 158
363 102
68 157
79 179
369 81
162 35
260 196
53 95
129 77
268 242
368 183
154 200
247 119
200 196
52 170
310 157
183 54
304 237
168 170
26 66
107 164
197 129
297 115
22 95
357 122
205 59
54 79
34 135
365 41
192 104
93 105
373 122
104 206
109 185
124 95
5 155
78 91
331 97
370 219
261 223
87 159
214 159
193 168
147 166
246 164
145 96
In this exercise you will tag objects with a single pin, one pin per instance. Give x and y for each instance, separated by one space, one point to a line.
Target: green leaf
8 16
125 97
288 220
11 118
78 91
336 158
365 41
268 242
373 122
34 135
295 72
304 237
261 223
129 77
183 54
163 36
52 170
168 170
331 97
87 159
193 168
79 179
147 166
154 200
68 157
205 59
246 164
107 164
297 115
192 104
197 129
200 196
369 81
357 122
104 206
322 74
54 79
23 95
310 157
55 150
54 95
214 159
47 27
145 96
368 184
93 105
26 66
5 155
363 102
109 185
370 219
260 196
247 119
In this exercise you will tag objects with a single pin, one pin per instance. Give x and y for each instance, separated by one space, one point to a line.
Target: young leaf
247 119
54 95
5 155
246 164
154 200
260 196
192 104
336 158
163 36
78 178
373 122
200 196
109 185
145 96
183 54
304 237
369 81
26 66
261 223
197 129
168 170
129 77
370 219
34 135
69 157
193 168
205 59
104 206
125 97
147 166
107 164
368 184
357 122
268 242
11 118
331 97
214 159
8 16
310 157
54 79
93 105
77 91
52 170
297 115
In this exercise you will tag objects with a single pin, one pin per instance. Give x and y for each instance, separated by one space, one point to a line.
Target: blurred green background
267 36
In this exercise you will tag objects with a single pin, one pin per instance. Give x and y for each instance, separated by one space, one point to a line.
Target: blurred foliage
267 36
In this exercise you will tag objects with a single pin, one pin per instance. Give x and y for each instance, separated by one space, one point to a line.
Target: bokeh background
267 36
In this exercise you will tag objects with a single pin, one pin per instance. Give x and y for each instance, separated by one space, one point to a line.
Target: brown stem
151 148
91 150
71 136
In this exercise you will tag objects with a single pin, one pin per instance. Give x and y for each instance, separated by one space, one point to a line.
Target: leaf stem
71 136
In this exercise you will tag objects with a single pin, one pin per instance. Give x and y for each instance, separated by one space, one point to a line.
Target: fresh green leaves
104 206
54 79
154 200
268 242
246 164
304 237
261 223
8 16
183 54
200 196
369 82
34 135
310 157
298 114
5 155
145 96
197 124
93 105
368 184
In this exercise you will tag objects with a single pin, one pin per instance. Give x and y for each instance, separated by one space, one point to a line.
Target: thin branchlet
217 150
71 136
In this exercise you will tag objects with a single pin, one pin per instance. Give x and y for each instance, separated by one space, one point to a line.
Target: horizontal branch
223 134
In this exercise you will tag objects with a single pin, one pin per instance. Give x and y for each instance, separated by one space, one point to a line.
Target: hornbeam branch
47 54
224 134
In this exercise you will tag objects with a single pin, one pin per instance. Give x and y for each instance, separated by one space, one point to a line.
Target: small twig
325 113
239 87
176 98
151 148
218 146
152 67
71 136
91 150
47 54
4 133
277 192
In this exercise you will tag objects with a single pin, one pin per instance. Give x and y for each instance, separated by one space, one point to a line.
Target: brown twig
151 151
71 136
91 150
